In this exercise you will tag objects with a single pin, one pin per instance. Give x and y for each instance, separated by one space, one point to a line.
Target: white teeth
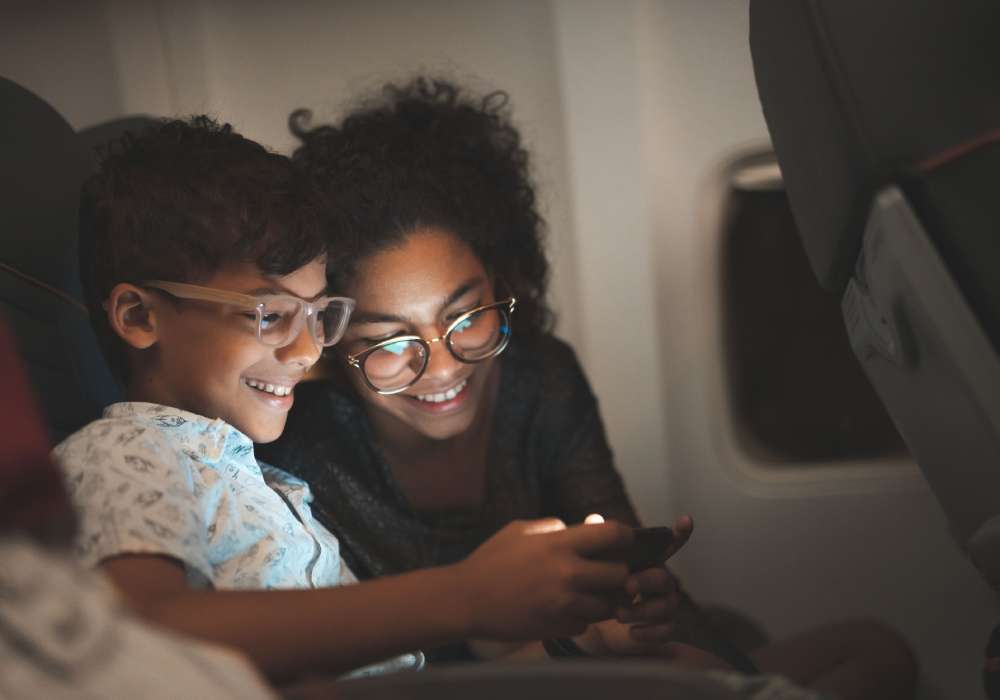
277 390
445 396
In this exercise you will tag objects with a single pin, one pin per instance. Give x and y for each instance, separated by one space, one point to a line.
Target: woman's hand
652 595
683 527
645 618
652 598
644 621
612 638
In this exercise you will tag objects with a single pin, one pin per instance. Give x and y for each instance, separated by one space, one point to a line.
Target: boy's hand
533 580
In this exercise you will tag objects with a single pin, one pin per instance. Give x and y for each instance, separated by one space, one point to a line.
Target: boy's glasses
279 317
395 364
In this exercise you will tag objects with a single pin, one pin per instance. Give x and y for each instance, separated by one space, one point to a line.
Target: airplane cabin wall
792 544
250 62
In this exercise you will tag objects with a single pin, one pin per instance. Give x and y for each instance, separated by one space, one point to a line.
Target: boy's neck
143 389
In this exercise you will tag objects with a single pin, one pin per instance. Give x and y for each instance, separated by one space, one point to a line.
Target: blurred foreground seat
572 680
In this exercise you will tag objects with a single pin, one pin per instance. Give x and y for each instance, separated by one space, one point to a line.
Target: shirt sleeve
581 477
135 493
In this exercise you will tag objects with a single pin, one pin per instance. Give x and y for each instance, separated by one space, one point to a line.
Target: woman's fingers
683 527
692 657
587 607
654 610
600 576
542 525
651 634
596 538
655 581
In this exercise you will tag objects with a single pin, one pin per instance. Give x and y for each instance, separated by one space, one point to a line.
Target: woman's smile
441 401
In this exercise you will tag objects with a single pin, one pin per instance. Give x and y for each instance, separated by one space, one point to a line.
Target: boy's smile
207 359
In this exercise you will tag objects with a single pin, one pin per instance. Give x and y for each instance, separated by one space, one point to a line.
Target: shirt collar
211 439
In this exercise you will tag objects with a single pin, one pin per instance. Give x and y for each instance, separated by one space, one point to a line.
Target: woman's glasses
395 364
279 317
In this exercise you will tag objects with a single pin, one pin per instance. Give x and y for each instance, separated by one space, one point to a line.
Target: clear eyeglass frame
357 360
307 311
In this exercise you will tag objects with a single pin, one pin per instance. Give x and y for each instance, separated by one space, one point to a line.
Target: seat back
43 166
884 118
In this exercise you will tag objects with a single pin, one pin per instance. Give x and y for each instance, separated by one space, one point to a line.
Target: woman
442 422
432 192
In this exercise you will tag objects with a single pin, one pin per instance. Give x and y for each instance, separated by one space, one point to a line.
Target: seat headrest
94 137
855 93
42 169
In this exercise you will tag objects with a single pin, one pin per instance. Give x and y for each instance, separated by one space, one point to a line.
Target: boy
203 266
63 633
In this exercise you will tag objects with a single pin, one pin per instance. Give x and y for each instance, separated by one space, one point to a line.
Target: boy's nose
303 350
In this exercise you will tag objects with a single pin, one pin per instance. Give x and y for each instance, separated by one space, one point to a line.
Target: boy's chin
263 432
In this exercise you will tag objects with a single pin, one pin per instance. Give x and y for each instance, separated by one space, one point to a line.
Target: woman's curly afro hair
428 155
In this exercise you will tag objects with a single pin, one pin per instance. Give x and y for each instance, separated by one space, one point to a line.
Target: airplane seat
95 137
45 163
885 119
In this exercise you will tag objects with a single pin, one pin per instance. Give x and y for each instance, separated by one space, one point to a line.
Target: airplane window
797 392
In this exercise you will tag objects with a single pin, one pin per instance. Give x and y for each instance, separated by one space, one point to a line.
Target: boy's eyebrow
379 317
260 291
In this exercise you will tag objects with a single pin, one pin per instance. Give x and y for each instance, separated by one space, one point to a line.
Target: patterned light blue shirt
150 479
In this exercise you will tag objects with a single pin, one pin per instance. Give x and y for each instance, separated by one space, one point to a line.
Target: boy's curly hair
180 201
427 154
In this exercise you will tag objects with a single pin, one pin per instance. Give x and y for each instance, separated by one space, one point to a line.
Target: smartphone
650 548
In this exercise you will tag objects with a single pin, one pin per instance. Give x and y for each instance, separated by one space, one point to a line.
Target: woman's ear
132 314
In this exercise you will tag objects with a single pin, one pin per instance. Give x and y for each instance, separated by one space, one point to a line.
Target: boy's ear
132 314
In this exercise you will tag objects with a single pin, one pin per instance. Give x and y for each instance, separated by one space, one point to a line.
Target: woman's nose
441 365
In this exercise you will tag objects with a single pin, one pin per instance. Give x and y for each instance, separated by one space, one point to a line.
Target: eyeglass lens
478 335
397 365
281 321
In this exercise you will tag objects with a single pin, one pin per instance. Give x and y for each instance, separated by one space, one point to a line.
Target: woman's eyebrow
360 317
463 289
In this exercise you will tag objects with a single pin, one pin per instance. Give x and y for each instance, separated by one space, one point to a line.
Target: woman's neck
402 441
437 473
